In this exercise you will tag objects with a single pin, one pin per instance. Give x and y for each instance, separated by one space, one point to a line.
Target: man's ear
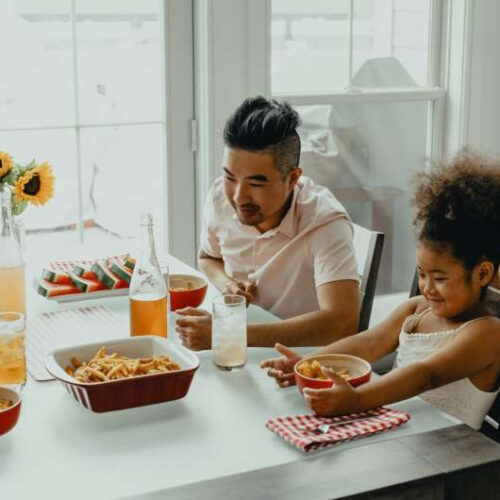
485 272
294 177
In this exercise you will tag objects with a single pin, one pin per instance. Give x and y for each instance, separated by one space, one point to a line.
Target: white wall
483 127
229 68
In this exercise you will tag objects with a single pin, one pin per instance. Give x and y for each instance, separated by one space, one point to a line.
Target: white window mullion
74 47
436 44
372 95
351 41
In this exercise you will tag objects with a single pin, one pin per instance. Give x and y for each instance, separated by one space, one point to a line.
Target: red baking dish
127 392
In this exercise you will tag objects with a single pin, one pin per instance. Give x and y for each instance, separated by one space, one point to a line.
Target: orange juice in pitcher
148 290
12 292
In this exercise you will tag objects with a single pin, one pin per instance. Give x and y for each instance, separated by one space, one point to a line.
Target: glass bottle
12 287
148 291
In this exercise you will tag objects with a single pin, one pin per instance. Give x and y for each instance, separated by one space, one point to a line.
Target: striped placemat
302 432
57 329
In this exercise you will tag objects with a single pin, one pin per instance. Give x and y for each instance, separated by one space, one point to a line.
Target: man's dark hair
268 127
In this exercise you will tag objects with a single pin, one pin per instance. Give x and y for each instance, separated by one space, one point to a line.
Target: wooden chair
491 424
368 247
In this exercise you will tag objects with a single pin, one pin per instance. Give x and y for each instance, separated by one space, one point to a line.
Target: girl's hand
281 368
340 399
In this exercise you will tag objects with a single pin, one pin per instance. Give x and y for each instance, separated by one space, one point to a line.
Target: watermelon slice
107 277
86 285
129 262
48 289
122 272
83 271
56 276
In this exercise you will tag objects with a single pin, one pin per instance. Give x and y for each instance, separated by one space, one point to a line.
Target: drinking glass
12 351
229 332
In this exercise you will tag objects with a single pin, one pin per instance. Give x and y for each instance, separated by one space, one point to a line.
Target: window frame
240 31
177 107
433 93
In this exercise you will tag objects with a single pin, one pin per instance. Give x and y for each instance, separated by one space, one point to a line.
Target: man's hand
340 399
244 288
195 328
281 368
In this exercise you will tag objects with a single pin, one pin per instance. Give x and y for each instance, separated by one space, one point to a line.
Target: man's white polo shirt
311 246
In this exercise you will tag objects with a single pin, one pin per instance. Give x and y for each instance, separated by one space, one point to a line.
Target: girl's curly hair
458 208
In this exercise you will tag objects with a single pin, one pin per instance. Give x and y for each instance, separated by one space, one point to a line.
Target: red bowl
359 369
186 291
9 416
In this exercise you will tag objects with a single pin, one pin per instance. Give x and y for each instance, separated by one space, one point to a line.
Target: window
363 74
86 85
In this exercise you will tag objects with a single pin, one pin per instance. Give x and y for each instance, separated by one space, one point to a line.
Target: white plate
76 297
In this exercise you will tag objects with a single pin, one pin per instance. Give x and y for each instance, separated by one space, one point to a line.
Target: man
275 238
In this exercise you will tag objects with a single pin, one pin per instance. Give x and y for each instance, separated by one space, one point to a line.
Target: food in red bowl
308 372
186 291
10 407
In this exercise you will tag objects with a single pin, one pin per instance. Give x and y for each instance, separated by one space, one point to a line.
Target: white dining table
213 436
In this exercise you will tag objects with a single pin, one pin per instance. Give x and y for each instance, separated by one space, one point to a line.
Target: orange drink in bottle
148 290
148 315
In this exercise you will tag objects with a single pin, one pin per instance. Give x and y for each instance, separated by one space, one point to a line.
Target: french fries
105 367
314 370
5 403
189 286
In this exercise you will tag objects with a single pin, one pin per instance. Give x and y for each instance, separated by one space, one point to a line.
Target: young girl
447 339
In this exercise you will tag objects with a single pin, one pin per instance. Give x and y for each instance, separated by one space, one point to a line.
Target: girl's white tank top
461 398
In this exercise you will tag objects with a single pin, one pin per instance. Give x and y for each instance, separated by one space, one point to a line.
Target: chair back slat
368 247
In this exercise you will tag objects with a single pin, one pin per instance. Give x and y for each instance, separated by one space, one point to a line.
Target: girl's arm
474 349
378 341
371 345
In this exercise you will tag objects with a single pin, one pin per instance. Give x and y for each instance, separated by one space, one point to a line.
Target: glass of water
229 332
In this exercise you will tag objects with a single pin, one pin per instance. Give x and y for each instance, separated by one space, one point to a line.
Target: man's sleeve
333 253
209 241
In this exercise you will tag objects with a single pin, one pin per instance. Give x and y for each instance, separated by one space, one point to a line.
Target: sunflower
5 164
35 185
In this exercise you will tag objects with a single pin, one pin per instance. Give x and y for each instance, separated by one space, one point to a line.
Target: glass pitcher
12 287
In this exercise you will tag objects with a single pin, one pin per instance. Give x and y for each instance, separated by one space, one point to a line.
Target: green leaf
13 175
19 207
29 166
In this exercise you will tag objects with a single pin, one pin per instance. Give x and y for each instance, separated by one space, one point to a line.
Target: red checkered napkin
299 430
67 266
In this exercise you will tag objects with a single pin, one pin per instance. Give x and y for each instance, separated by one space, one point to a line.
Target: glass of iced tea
12 352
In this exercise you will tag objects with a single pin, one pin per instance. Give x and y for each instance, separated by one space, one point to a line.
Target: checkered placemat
301 431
